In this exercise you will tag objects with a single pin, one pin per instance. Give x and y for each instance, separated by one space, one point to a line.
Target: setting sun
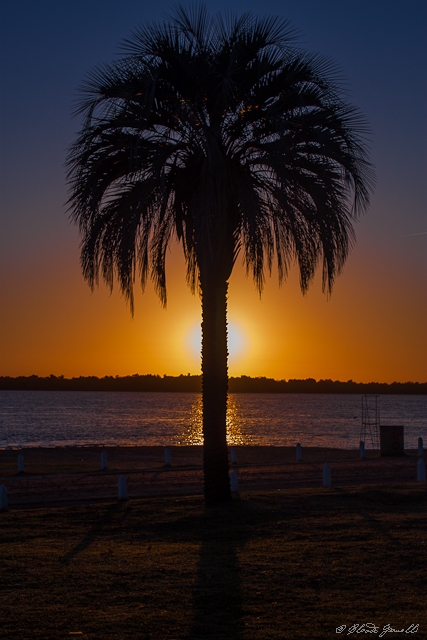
237 341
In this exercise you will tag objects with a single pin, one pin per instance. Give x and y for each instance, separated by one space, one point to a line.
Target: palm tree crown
222 133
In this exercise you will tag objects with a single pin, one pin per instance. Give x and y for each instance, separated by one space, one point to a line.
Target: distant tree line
187 383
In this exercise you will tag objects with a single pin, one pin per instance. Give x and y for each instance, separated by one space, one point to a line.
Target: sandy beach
73 475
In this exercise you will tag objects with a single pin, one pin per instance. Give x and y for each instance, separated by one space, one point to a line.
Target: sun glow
237 341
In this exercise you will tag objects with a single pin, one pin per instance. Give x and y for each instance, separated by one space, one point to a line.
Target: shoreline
132 452
154 383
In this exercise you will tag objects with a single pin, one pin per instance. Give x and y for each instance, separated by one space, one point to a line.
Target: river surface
71 418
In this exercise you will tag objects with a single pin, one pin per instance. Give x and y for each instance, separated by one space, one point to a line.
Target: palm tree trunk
215 388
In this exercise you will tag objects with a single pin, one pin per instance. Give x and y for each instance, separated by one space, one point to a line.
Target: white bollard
326 482
420 447
123 489
103 460
234 482
3 498
362 449
167 457
421 471
20 464
299 452
233 455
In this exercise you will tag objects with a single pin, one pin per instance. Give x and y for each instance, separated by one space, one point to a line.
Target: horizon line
199 375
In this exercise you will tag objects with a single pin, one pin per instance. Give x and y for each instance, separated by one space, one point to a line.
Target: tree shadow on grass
93 533
217 598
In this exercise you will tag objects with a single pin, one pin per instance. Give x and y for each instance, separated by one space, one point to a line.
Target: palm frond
218 131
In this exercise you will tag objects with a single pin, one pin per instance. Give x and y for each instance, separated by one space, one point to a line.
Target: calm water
67 418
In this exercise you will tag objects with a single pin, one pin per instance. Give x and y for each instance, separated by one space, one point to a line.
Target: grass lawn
284 564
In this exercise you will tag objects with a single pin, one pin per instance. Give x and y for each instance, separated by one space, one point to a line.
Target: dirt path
69 476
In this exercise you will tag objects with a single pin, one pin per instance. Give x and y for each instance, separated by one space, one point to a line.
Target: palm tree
221 133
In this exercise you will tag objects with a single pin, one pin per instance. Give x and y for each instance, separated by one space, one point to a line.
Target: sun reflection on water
194 433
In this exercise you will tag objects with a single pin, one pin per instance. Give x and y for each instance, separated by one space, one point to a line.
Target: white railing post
421 471
167 457
20 464
123 489
420 447
234 482
233 455
326 481
299 452
3 498
103 460
362 449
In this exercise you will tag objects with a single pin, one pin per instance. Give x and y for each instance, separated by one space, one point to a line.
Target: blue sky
48 47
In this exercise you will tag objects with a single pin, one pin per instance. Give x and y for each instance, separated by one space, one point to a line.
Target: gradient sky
374 327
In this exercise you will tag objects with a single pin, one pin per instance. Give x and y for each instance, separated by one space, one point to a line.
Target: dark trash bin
391 440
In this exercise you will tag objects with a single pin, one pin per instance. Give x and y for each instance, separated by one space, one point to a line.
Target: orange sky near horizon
373 328
64 329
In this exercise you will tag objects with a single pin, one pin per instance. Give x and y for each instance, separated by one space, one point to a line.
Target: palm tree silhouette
220 132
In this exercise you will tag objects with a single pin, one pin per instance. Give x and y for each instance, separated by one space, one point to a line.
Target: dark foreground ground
294 563
286 559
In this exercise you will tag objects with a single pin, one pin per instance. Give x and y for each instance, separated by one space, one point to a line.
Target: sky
372 328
